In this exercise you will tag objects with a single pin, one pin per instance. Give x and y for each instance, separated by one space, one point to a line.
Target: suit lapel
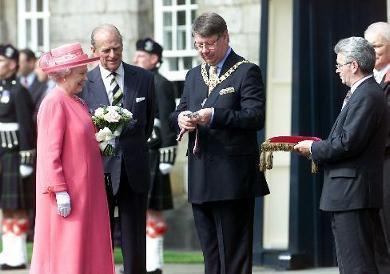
346 107
230 61
129 84
97 87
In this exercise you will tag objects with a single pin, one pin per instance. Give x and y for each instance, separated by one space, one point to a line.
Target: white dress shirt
120 79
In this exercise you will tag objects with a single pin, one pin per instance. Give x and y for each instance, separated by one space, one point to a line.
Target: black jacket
226 166
353 153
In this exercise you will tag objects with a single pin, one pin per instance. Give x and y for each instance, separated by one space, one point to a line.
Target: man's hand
304 148
63 203
185 121
203 116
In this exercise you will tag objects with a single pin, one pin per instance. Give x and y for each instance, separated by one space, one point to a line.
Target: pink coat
68 159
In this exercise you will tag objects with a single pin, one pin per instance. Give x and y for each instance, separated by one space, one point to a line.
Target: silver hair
381 29
58 76
357 49
108 28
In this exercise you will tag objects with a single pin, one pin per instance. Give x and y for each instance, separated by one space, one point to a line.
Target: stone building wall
8 22
243 21
73 20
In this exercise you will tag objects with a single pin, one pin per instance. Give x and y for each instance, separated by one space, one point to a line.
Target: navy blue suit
224 177
127 173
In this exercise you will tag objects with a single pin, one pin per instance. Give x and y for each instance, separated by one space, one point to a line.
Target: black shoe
157 271
8 267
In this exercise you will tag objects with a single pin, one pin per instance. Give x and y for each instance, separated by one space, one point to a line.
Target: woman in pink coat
72 231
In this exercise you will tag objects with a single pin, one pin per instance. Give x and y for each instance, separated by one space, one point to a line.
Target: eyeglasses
339 66
206 45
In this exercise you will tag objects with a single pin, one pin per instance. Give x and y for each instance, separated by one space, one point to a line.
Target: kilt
160 193
13 192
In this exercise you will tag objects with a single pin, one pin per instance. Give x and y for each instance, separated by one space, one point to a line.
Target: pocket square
226 90
139 99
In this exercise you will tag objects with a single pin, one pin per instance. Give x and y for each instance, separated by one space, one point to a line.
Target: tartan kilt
160 193
13 191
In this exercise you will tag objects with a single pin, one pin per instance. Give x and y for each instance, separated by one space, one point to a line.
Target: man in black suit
114 82
162 152
29 78
222 108
352 157
378 35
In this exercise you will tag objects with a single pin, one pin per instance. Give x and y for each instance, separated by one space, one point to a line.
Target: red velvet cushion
291 139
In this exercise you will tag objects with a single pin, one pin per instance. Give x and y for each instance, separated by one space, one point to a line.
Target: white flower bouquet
110 120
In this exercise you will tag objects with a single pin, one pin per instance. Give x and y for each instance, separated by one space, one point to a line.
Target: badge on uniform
5 97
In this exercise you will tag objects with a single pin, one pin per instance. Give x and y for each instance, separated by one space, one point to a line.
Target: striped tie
346 99
116 92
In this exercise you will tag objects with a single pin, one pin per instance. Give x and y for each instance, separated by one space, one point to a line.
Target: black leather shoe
157 271
8 267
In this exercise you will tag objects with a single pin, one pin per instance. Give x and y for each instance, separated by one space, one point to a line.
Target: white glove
165 168
25 170
63 203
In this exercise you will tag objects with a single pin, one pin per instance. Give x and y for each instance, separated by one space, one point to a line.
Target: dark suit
352 156
128 172
224 177
385 212
37 91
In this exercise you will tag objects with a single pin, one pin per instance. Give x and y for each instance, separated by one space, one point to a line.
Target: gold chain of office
224 76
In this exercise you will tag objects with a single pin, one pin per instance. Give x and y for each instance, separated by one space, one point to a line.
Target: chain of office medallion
224 76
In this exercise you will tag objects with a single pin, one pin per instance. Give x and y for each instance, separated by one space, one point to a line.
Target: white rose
112 108
99 112
100 135
127 113
107 134
112 116
104 134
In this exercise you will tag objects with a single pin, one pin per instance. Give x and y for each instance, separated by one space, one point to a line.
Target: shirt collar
30 79
105 73
220 64
356 84
379 74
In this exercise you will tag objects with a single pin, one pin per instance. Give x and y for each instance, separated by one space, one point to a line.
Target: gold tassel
314 167
269 161
262 164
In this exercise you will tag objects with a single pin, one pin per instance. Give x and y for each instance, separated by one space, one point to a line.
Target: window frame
159 29
33 15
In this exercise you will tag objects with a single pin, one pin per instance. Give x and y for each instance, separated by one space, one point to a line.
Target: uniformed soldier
162 151
16 159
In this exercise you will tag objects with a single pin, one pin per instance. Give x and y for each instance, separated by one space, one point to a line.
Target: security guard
16 159
162 151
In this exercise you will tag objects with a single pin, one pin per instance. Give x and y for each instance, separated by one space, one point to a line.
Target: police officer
16 159
162 150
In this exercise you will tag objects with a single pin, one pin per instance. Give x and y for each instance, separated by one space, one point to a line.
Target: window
172 28
33 24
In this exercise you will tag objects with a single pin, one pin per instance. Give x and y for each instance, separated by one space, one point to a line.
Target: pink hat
67 56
